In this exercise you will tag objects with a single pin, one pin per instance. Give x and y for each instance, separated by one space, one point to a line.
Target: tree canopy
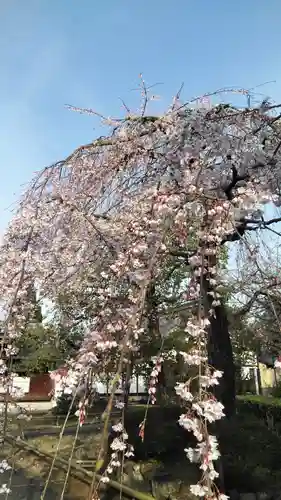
102 227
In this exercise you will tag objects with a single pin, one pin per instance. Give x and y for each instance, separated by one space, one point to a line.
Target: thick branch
247 307
235 179
244 226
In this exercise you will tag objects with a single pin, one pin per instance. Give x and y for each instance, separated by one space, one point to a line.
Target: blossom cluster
4 466
120 449
154 378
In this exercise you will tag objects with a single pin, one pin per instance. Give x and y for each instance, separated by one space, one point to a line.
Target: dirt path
69 431
26 488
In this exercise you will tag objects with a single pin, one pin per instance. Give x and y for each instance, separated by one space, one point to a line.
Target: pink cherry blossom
99 227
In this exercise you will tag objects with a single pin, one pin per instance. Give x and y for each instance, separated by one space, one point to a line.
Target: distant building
31 387
137 388
261 374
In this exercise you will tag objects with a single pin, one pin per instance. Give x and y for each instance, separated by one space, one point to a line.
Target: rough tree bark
220 354
220 357
127 382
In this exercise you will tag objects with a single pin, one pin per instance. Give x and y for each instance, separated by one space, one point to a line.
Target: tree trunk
221 358
258 377
162 385
220 354
127 382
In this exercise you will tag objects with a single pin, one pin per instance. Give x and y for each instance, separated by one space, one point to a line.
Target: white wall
101 387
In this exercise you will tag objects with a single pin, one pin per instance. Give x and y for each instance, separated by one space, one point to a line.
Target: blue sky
89 53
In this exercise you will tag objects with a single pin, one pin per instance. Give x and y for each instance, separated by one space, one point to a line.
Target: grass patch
252 454
262 400
267 409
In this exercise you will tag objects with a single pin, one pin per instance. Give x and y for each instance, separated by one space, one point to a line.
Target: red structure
40 388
